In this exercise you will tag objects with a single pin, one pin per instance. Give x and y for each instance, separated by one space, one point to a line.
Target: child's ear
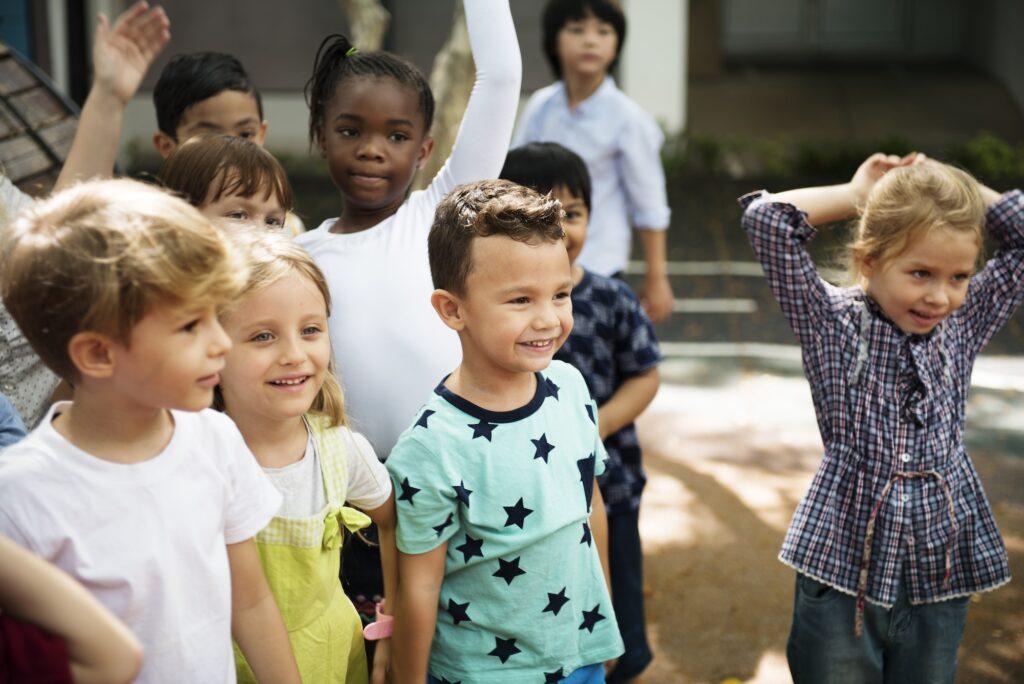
164 144
92 354
261 134
449 307
426 148
867 267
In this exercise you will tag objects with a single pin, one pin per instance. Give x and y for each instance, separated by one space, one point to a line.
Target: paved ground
731 449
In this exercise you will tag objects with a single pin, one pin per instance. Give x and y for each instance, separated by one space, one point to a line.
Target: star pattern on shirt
587 537
471 547
504 649
543 447
552 388
483 429
556 601
462 492
590 413
422 421
408 491
554 677
591 618
448 681
509 570
447 521
458 611
586 466
517 514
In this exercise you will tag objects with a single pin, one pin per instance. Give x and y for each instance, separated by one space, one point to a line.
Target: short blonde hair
101 255
271 257
907 203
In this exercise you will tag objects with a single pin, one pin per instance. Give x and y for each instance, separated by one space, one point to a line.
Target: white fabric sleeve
642 174
482 142
369 484
253 500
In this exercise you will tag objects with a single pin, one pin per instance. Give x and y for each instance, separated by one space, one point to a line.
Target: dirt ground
728 462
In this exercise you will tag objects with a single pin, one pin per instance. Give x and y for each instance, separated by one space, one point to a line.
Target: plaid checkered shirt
890 407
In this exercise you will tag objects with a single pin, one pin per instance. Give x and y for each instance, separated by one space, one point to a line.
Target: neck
490 388
113 428
581 86
355 219
275 443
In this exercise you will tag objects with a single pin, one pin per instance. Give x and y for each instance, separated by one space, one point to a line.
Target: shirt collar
592 103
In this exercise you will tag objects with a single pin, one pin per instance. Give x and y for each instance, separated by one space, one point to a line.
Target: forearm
94 148
261 636
655 252
628 402
419 585
823 204
384 519
599 531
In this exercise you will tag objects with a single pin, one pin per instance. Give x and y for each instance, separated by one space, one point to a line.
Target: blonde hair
907 203
101 255
271 257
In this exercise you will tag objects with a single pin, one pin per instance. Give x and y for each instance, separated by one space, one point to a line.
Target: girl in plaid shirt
895 533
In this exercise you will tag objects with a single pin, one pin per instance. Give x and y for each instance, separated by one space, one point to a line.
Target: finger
131 15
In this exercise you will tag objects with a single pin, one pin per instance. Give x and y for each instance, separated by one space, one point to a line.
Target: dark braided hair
337 59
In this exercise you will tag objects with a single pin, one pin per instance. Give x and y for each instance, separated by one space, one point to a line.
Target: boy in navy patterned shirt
612 344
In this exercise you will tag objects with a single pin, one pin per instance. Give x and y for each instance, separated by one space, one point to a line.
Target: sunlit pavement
730 447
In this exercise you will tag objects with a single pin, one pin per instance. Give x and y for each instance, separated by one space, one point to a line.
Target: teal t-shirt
523 597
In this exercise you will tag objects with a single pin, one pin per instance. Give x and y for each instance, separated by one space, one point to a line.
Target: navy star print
458 611
447 521
591 618
504 649
543 447
554 677
483 429
556 601
471 547
586 535
552 388
408 491
517 513
422 422
586 466
508 570
462 492
590 413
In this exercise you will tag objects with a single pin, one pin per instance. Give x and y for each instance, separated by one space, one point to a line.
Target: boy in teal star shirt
499 520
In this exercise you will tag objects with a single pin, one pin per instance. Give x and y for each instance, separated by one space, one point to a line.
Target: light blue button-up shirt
621 144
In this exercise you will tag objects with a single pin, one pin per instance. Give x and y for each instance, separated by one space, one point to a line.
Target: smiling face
374 140
926 282
281 350
173 358
587 46
577 217
516 312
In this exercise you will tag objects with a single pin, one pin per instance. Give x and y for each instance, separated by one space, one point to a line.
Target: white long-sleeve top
390 347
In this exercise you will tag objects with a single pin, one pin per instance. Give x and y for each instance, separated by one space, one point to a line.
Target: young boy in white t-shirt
132 488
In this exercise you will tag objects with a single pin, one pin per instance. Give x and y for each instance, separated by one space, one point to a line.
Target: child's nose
291 353
370 148
220 343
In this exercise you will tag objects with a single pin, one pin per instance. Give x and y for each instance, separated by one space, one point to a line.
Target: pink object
381 628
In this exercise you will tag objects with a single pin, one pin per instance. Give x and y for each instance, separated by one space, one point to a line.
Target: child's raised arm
419 587
121 55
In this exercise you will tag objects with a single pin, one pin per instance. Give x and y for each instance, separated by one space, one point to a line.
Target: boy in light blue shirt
500 523
586 112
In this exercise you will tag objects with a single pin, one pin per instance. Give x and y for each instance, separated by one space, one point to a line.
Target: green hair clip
351 51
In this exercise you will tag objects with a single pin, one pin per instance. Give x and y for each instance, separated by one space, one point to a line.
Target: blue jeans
905 643
588 674
11 428
625 561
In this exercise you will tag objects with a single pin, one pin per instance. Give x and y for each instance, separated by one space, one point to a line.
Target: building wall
997 42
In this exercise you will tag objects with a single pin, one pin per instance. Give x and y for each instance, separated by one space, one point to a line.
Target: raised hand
876 166
122 53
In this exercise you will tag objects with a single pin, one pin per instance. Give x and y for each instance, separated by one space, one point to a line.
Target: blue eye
261 337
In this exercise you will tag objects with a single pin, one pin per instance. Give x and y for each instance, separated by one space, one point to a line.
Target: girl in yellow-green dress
279 388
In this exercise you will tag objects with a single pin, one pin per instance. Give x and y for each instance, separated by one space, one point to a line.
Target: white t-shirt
302 484
147 539
390 345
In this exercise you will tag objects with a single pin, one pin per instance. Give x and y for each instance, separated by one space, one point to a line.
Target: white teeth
297 381
542 343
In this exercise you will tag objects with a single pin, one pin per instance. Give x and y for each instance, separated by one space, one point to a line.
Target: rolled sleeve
642 174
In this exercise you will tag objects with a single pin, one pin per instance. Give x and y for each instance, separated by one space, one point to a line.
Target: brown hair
908 202
492 207
270 257
101 255
205 168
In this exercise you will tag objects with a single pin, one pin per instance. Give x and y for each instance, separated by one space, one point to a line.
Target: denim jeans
905 643
11 428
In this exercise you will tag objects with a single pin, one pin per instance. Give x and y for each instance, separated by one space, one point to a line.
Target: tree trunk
368 23
451 80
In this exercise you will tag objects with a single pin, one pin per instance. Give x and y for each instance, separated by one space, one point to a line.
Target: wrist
380 628
103 98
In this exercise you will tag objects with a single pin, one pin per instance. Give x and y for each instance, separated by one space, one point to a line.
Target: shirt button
905 457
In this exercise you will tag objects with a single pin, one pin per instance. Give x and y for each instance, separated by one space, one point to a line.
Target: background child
229 179
498 565
279 389
586 112
52 630
613 345
148 501
895 533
